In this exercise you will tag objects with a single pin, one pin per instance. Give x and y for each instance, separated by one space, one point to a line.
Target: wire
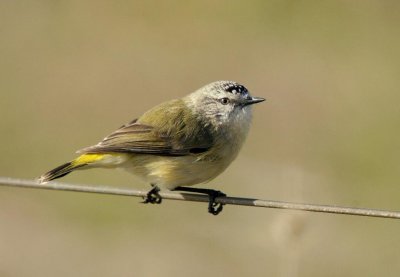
252 202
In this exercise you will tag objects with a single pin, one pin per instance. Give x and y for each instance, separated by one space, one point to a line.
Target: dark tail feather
57 172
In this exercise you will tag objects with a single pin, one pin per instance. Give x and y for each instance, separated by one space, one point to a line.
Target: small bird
179 143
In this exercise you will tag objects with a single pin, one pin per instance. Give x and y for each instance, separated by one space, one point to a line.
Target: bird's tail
64 169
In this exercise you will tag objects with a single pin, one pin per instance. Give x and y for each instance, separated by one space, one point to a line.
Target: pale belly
171 172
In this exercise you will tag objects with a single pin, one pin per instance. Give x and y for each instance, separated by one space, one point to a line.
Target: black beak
253 100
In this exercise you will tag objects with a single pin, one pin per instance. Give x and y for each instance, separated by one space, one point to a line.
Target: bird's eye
224 101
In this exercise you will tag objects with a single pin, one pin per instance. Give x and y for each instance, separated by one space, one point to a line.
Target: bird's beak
253 100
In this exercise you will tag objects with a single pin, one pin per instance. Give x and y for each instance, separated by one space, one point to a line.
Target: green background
73 71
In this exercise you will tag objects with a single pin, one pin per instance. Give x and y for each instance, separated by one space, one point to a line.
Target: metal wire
252 202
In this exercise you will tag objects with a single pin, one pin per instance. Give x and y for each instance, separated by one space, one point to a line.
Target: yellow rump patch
87 159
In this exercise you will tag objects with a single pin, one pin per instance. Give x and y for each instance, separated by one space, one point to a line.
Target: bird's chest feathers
231 132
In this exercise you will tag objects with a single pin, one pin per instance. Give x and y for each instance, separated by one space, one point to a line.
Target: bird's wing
159 132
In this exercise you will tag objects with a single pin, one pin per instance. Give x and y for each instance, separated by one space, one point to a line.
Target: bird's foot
153 197
213 207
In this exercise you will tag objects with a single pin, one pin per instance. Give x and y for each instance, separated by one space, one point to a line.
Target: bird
176 144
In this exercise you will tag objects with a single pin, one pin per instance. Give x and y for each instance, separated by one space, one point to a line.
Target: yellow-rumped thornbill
176 144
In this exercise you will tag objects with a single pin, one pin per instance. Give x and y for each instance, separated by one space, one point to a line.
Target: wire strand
252 202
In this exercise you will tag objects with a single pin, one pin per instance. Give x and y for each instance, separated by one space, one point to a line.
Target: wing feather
164 130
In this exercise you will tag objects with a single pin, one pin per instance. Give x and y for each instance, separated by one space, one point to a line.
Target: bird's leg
213 207
152 196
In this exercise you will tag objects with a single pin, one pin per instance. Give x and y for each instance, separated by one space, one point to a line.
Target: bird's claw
213 207
153 197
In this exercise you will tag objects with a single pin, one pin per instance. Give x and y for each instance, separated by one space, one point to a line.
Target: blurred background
73 71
